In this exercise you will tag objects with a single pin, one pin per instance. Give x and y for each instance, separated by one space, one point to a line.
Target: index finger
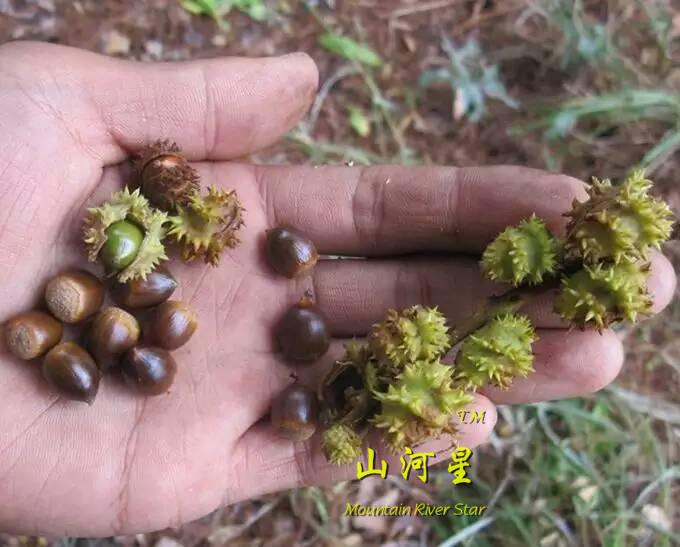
389 210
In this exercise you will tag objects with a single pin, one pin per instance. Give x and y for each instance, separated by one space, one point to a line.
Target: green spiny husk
409 335
525 253
135 208
419 405
345 391
496 353
618 223
341 444
604 294
207 225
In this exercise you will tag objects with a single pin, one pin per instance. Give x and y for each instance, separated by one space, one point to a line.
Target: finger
355 294
214 108
268 460
567 364
386 210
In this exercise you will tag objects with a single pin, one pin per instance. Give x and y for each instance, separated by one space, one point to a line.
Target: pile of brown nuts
108 339
303 335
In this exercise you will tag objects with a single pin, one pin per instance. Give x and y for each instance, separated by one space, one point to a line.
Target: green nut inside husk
122 245
106 226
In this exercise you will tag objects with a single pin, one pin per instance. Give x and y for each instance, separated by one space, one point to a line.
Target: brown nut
143 293
303 334
74 295
113 331
295 412
150 370
72 372
32 334
289 252
172 325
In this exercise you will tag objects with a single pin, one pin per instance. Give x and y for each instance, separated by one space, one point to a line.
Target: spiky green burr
497 353
419 405
415 333
603 294
525 253
618 223
341 444
133 208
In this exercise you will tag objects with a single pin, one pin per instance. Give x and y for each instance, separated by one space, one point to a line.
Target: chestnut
143 293
32 334
72 372
294 413
74 295
148 369
290 252
113 331
172 324
303 334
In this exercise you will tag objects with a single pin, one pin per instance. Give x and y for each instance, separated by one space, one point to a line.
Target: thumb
214 108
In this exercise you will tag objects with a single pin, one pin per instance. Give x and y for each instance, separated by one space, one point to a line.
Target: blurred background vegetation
590 88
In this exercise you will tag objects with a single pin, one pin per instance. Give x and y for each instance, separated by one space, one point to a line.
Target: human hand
129 464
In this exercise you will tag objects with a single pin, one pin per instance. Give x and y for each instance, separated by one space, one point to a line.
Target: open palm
67 118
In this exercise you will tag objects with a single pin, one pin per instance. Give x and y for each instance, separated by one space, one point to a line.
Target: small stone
154 48
116 43
656 516
219 40
47 5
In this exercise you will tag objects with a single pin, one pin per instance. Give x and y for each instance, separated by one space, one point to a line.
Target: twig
477 19
342 72
420 8
504 483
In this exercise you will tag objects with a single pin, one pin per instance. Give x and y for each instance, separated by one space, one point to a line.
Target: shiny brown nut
295 413
290 252
303 333
32 334
143 293
172 325
150 370
72 372
74 295
113 331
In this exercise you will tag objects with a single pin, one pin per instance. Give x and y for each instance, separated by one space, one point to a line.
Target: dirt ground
421 125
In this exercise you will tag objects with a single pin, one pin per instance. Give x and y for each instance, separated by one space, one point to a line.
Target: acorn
74 295
303 333
32 334
294 413
123 239
289 252
148 369
72 372
172 325
113 331
143 293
